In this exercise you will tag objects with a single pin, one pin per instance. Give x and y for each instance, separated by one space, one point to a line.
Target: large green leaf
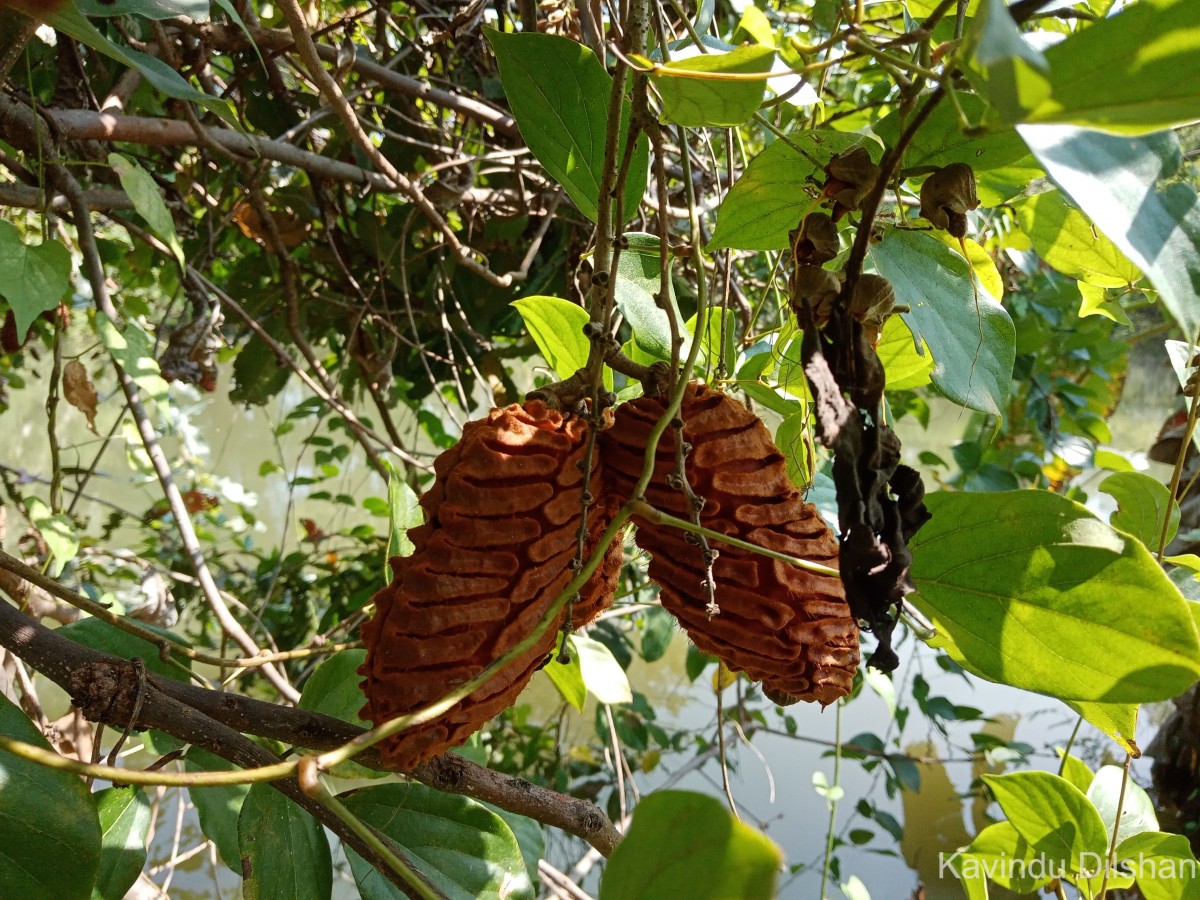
1117 720
603 675
638 280
558 93
941 140
196 10
936 284
124 820
698 101
1034 591
49 831
147 200
284 851
1163 865
218 807
1052 815
1066 240
682 844
530 835
994 851
1135 72
100 635
1127 187
1144 506
463 848
33 278
333 688
1007 69
556 326
772 196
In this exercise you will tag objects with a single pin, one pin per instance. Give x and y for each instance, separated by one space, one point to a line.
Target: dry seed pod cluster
784 626
502 521
947 196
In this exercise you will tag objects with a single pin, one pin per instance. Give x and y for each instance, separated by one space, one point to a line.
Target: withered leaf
79 391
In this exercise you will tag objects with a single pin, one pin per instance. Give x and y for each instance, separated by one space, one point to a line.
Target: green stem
1116 829
833 804
1062 766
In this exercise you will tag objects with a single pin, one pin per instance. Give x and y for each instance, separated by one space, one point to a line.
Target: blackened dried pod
787 627
502 520
872 302
815 242
947 196
812 292
849 177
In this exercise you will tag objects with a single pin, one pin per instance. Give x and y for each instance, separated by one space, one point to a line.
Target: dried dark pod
872 302
815 242
849 177
947 196
787 627
813 291
502 521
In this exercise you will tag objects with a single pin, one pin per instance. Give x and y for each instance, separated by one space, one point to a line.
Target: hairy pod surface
502 520
782 625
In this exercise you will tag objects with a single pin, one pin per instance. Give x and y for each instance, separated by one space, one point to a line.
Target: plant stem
833 804
1112 845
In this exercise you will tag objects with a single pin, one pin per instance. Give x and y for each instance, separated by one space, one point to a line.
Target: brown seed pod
812 293
502 520
815 242
849 177
784 626
947 196
872 303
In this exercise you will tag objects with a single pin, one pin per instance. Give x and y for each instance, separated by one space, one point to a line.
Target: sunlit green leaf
404 512
1008 70
57 530
638 281
1163 864
1066 240
1137 809
567 678
941 139
1005 856
196 10
682 844
603 675
556 326
904 367
134 350
696 102
1144 506
1052 815
33 277
1117 720
790 438
1036 592
333 689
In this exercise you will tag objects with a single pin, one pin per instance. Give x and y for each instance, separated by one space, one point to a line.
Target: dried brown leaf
79 391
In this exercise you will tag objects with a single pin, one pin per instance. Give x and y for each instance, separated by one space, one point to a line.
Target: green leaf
463 848
332 688
904 367
49 830
1007 69
100 635
568 678
196 10
57 530
638 280
1133 73
283 849
936 284
556 326
530 835
1094 301
218 807
404 512
558 92
143 191
697 102
1137 809
1034 591
134 350
1066 240
940 141
658 630
682 844
68 19
603 675
257 374
124 822
1075 770
1144 506
710 337
33 278
1005 856
789 438
1127 187
1052 814
771 197
1163 864
1117 720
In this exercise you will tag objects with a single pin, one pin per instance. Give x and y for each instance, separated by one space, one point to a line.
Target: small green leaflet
404 512
696 101
638 280
147 200
1144 506
603 675
58 531
567 677
134 350
558 93
556 326
1117 720
33 277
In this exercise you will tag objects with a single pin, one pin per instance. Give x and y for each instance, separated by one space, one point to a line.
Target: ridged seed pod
501 524
784 626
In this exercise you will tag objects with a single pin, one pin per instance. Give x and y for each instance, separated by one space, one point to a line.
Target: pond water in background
775 790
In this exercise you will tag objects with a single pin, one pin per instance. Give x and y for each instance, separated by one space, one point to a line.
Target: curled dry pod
947 196
815 242
502 520
812 291
872 302
849 177
784 626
